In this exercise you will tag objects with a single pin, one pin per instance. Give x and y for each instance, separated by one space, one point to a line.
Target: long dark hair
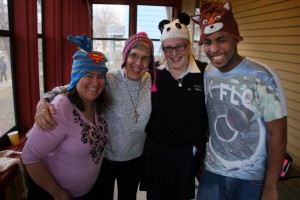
101 103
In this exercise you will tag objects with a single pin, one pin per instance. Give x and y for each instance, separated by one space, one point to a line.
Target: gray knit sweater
126 138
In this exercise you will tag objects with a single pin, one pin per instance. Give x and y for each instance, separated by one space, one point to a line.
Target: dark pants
215 186
126 173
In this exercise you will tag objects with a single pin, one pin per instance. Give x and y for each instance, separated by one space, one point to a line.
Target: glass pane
196 27
7 111
41 66
157 50
110 21
148 18
198 50
113 52
39 16
4 25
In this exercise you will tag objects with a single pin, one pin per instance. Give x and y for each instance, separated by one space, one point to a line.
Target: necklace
135 115
179 82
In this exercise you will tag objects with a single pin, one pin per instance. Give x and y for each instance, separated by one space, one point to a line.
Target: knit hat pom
82 42
85 60
142 33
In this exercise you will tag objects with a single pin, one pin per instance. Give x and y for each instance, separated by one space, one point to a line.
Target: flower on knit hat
214 18
176 28
140 37
85 60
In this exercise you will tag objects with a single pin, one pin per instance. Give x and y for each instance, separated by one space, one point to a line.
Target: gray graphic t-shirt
239 103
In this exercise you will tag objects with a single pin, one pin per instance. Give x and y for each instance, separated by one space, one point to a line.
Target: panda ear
184 18
161 24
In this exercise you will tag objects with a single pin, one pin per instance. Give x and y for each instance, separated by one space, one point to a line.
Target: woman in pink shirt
64 164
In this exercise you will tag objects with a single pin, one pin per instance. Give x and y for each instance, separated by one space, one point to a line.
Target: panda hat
176 28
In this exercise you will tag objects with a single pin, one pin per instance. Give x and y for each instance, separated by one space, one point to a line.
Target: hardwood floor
289 189
139 196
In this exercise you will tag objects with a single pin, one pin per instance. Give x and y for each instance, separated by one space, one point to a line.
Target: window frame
24 67
9 34
41 37
133 20
176 4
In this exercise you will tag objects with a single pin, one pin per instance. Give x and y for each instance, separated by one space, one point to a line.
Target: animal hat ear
184 18
195 18
214 18
162 23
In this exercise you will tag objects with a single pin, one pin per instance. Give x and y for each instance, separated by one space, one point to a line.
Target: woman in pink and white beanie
130 88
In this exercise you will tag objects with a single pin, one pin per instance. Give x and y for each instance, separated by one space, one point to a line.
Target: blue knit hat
85 60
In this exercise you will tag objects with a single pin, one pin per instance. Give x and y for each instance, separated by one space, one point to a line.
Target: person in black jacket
177 129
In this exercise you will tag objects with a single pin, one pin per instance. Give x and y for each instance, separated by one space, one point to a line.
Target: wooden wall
271 31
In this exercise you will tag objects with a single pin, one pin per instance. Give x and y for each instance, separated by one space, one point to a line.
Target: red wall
61 18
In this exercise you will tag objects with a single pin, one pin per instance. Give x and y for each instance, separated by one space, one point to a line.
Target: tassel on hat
85 60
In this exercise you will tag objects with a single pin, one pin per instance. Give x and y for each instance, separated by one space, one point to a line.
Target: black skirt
168 172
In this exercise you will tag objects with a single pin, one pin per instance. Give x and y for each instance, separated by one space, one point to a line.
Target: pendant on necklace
180 82
135 116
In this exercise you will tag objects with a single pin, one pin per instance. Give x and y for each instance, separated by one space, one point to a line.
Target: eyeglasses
169 49
144 59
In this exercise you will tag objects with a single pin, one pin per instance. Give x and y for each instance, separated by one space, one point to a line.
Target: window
148 18
7 102
111 28
40 45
